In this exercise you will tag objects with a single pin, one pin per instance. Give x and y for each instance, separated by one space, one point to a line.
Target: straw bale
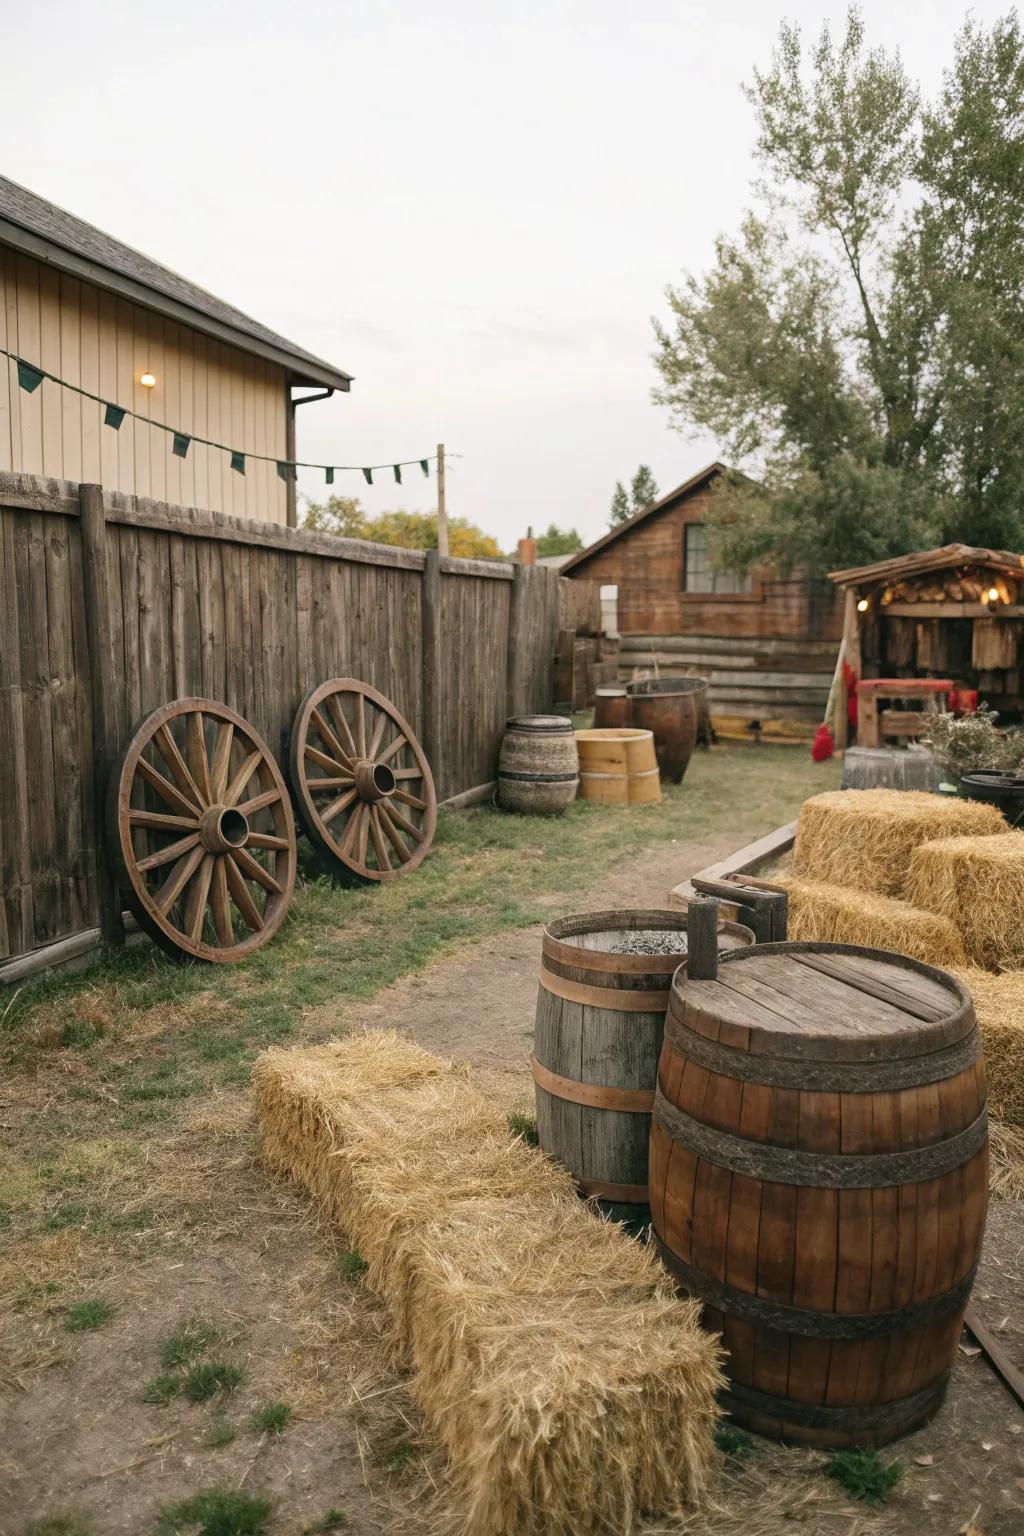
570 1388
836 915
864 837
978 883
999 1004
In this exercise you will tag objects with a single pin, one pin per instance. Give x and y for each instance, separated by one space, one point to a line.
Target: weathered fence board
105 615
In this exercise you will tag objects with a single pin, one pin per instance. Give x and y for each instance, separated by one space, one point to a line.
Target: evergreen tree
621 509
643 489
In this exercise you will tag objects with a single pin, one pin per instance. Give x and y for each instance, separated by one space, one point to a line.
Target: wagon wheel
363 787
201 825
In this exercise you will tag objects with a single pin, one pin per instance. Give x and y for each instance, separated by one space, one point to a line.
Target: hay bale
549 1355
834 915
999 1004
864 837
978 883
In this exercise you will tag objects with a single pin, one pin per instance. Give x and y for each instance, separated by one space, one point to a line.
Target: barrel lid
825 1002
545 723
996 778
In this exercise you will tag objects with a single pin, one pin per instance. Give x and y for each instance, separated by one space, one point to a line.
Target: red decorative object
824 746
850 683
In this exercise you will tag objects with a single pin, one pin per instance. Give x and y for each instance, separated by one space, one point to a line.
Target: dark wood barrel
670 707
599 1026
819 1179
538 765
611 707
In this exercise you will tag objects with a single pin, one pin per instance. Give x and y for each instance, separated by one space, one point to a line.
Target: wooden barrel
600 1020
611 707
670 708
618 766
819 1179
538 768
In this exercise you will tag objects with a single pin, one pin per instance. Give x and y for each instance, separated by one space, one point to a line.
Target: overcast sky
474 208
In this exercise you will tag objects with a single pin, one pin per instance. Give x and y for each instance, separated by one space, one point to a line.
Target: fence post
431 609
514 669
102 684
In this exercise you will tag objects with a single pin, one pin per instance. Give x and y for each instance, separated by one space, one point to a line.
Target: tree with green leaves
345 517
558 541
643 493
858 345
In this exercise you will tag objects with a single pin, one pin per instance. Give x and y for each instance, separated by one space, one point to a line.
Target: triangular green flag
368 476
329 474
398 473
425 466
282 468
28 377
180 445
113 417
238 461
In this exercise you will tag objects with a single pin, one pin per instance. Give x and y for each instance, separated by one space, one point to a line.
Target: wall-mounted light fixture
863 605
147 380
992 595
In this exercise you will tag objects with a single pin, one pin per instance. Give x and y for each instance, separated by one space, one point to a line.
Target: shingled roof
694 483
32 225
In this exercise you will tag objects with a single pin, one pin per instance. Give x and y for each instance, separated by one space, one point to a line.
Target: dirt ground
75 1442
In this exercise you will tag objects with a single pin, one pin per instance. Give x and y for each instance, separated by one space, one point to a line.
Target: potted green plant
983 762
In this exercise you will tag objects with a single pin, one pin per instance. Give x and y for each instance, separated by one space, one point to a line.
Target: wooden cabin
953 613
767 643
87 309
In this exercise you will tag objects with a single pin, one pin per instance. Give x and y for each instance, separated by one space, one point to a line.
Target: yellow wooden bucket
618 766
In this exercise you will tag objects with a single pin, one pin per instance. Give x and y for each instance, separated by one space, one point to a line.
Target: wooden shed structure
88 309
767 643
956 612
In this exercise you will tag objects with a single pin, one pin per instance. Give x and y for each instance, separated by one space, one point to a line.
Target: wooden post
102 684
442 510
431 608
702 939
846 652
514 701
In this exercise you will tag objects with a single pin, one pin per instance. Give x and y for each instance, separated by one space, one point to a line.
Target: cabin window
699 575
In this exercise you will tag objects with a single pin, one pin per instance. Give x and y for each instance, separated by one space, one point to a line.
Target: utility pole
442 511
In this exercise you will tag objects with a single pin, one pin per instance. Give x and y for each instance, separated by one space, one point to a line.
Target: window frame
755 595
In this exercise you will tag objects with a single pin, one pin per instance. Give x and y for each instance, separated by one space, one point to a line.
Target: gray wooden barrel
538 765
600 1020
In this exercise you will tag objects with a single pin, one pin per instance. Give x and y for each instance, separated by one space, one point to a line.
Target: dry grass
570 1388
865 837
837 915
978 883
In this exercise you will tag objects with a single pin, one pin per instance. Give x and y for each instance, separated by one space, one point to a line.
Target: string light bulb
992 594
147 380
863 605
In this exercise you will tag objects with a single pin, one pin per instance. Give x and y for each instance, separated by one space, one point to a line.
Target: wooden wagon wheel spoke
198 872
346 782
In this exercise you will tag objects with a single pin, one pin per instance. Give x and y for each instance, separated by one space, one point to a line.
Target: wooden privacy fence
110 605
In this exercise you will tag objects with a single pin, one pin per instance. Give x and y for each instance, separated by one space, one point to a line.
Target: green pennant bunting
180 445
238 461
113 417
368 476
329 474
398 473
425 466
28 377
282 469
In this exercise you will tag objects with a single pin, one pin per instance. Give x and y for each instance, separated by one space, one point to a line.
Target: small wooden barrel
611 707
819 1179
618 766
670 708
599 1026
538 767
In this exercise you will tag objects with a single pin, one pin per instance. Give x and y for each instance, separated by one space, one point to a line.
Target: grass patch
520 1123
333 1520
217 1512
352 1265
192 1339
210 1378
270 1419
60 1525
160 1390
864 1475
219 1432
733 1442
82 1315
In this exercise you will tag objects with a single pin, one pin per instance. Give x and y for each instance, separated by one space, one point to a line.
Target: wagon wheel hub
374 781
223 828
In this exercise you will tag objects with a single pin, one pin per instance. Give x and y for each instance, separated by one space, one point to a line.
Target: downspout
291 483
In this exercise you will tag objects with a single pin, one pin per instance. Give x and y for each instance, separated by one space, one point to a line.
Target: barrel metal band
632 1101
840 1417
600 1189
804 1321
605 997
538 778
820 1170
641 773
822 1076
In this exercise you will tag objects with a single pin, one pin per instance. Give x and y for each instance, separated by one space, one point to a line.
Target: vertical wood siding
253 616
103 344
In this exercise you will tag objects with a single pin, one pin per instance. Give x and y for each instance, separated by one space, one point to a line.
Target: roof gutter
292 503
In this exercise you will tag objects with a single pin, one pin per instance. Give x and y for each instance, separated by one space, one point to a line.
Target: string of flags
30 377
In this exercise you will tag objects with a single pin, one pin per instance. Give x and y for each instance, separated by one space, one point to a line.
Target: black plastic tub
996 787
